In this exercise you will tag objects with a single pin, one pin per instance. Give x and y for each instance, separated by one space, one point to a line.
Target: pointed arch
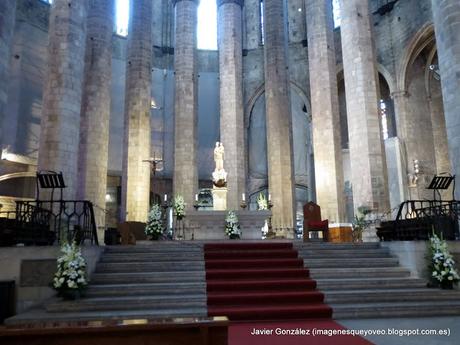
421 39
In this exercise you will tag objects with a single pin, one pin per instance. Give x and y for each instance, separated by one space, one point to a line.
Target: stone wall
33 290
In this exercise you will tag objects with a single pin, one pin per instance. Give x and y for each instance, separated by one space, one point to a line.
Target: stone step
392 295
120 267
400 309
32 317
153 289
154 249
365 272
349 263
347 253
326 285
153 257
129 303
147 277
336 246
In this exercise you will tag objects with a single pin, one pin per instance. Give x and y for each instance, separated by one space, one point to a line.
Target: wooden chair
312 221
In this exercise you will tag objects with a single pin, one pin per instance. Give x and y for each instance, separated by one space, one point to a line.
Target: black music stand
442 183
50 180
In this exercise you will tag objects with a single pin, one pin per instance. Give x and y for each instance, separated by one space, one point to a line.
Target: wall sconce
436 73
153 104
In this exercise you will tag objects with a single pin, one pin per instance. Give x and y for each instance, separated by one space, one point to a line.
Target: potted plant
70 279
360 223
442 265
232 226
154 228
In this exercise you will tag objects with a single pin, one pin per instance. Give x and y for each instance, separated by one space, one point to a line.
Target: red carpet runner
249 282
260 281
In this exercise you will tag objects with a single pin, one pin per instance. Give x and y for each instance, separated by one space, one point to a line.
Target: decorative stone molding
176 1
222 2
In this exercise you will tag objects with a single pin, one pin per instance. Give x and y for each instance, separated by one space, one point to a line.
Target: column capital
176 1
399 93
222 2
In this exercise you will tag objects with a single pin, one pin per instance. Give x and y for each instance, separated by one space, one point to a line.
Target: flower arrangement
442 265
179 206
70 279
232 225
154 227
262 203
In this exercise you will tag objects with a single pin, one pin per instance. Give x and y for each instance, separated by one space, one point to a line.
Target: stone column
136 172
278 117
367 154
446 15
60 123
231 97
252 24
185 181
95 111
325 110
7 20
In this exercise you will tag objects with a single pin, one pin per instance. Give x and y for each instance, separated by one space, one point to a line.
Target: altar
210 225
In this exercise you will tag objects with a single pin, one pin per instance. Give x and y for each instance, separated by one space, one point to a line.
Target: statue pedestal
219 198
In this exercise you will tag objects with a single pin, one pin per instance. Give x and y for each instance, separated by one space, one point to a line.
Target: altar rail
45 222
416 219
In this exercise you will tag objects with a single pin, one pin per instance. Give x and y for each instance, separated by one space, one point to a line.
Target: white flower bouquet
262 203
179 206
232 225
70 279
154 227
442 265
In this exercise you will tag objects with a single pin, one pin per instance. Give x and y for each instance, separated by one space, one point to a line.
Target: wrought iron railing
45 222
411 209
416 219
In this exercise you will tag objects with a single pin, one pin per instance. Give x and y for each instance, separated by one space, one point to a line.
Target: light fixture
153 104
436 73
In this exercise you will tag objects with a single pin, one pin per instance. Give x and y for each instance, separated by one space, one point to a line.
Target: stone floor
400 324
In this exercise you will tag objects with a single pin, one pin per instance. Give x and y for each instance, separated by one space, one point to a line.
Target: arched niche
302 147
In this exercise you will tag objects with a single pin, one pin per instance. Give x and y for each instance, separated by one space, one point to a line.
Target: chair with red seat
312 221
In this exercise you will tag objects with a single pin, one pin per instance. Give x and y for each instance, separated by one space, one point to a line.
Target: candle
196 197
166 197
269 197
243 197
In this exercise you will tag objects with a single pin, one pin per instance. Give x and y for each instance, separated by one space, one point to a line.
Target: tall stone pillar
185 181
60 124
95 111
136 172
446 15
367 154
7 20
278 117
325 110
231 97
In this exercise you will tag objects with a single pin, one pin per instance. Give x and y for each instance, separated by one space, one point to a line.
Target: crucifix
155 163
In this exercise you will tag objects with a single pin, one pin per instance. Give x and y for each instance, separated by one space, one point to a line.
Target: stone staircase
365 281
158 280
167 280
